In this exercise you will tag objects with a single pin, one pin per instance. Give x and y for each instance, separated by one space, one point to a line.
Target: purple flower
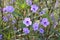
4 9
35 26
42 12
34 8
45 22
41 30
0 36
26 30
27 21
8 9
5 19
29 2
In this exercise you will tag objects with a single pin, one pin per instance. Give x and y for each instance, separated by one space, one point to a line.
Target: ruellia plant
29 19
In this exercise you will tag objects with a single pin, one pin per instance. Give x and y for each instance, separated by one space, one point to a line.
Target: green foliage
22 10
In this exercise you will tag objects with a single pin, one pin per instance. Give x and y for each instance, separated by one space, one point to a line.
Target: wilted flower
44 22
41 30
35 26
27 21
55 24
53 20
52 17
34 8
5 19
29 2
15 28
26 30
0 36
13 21
12 1
9 16
8 9
57 2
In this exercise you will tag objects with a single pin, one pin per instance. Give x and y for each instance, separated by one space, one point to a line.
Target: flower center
33 8
41 12
44 22
27 21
